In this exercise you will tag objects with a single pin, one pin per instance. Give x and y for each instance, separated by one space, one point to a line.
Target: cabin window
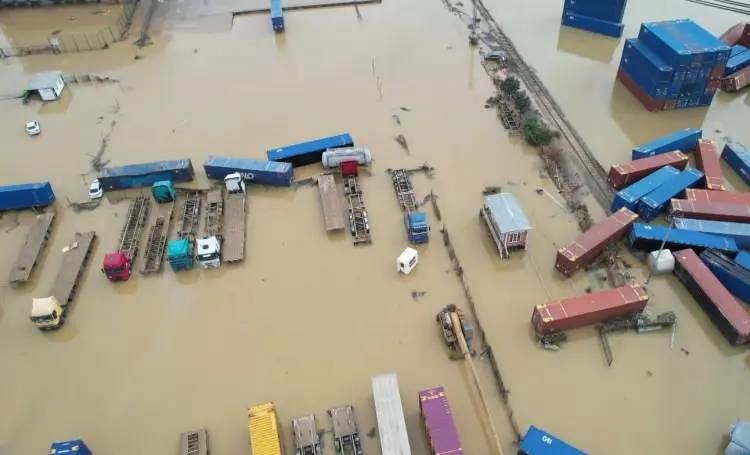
514 237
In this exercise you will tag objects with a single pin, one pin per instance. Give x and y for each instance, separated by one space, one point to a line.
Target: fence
79 42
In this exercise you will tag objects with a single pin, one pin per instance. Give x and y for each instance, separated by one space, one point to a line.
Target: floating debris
416 295
402 142
88 205
490 190
396 119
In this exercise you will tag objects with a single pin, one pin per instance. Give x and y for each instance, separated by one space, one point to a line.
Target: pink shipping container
438 422
588 309
622 175
587 246
717 196
717 211
737 81
707 160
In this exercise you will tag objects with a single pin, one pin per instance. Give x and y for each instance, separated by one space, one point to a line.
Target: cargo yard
200 304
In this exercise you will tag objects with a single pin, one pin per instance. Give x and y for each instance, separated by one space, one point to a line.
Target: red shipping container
737 34
737 81
731 318
717 196
587 246
621 175
717 211
648 102
707 160
570 313
717 71
712 85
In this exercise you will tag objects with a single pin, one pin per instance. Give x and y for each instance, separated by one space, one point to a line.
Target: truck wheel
337 445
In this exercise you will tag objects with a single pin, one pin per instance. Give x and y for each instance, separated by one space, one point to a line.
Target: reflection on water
586 44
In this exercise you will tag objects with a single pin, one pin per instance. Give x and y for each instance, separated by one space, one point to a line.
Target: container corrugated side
743 260
737 63
646 69
740 232
707 160
146 174
649 237
438 421
587 245
586 309
718 211
26 195
682 42
738 158
630 196
608 10
729 316
651 205
592 24
263 426
255 171
697 194
734 277
621 175
649 103
308 152
684 140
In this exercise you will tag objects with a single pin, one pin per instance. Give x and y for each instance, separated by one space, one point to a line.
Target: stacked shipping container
738 158
598 16
673 65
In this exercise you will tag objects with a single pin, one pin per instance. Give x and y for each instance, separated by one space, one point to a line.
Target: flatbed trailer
331 202
36 239
233 231
75 257
190 218
133 228
306 439
359 224
345 433
404 190
156 242
214 212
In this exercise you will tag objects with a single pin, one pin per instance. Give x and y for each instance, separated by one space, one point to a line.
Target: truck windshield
45 318
208 257
113 270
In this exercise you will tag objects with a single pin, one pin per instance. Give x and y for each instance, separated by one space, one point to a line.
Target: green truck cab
180 254
163 191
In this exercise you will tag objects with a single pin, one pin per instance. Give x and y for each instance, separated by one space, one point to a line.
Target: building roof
506 212
43 80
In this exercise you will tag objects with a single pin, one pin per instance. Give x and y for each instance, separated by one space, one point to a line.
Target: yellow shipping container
263 426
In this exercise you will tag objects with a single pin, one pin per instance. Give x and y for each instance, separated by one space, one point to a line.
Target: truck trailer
26 196
394 439
117 265
272 173
308 152
145 174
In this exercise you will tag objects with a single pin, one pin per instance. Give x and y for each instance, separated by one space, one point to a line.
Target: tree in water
510 85
536 132
522 102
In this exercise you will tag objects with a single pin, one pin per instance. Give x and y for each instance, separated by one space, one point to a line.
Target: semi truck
26 196
345 433
235 218
263 426
163 191
180 250
209 246
117 264
306 439
272 173
415 222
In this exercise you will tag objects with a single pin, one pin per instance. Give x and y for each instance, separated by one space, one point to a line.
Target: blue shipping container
649 237
738 158
255 171
145 174
735 278
684 140
743 260
308 152
592 24
277 16
646 69
608 10
683 43
737 49
740 232
26 195
629 196
651 205
539 442
737 63
73 447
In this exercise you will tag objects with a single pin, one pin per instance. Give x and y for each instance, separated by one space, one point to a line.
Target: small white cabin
48 85
407 261
508 225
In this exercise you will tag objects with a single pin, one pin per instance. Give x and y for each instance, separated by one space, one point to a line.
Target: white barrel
333 157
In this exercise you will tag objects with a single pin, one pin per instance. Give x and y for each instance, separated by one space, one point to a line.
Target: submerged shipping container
684 140
608 10
718 211
729 316
254 171
539 442
438 422
586 309
630 196
707 160
737 81
621 175
587 246
738 158
145 174
683 43
739 232
734 277
743 259
646 69
308 152
651 104
277 16
649 237
593 24
737 63
26 195
390 415
651 205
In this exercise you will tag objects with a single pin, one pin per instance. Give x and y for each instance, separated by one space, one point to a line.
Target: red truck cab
116 266
349 168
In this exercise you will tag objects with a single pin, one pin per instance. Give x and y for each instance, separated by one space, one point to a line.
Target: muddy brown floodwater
307 319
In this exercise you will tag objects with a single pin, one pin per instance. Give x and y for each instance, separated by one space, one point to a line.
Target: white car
33 128
95 190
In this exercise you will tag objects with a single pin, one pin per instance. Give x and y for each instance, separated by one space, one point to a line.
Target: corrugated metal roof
39 81
506 212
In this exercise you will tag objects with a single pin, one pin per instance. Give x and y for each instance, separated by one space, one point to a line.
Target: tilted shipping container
737 63
308 152
621 175
743 259
26 195
729 316
685 140
683 43
630 196
539 442
646 69
649 237
145 174
651 205
739 232
438 422
734 277
254 171
579 311
717 211
587 246
697 194
707 160
738 158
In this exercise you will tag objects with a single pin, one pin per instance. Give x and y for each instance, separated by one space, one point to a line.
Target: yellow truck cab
47 313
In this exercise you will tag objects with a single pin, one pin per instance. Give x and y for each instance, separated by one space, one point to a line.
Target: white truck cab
234 183
407 260
209 252
47 313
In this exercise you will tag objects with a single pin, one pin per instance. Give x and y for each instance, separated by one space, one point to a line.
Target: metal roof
506 212
40 81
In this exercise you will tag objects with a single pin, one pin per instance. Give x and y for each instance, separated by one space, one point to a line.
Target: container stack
598 16
673 65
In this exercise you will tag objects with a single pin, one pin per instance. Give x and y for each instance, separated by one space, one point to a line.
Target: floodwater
307 318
